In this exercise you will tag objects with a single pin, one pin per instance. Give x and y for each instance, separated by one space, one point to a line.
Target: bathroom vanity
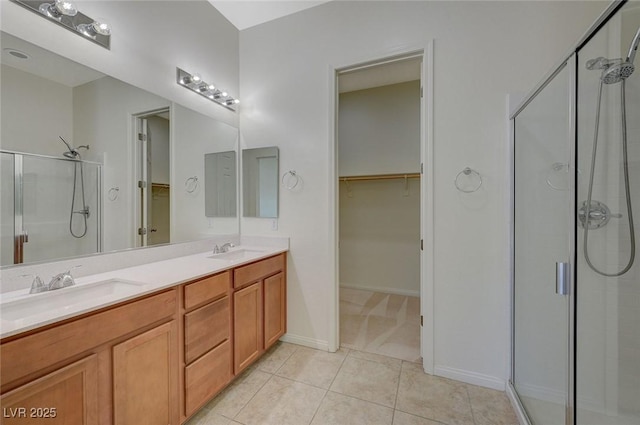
155 357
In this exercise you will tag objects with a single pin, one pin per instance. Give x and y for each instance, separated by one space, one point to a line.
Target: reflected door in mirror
260 182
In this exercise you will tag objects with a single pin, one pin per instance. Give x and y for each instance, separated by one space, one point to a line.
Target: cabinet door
145 378
67 396
247 326
275 308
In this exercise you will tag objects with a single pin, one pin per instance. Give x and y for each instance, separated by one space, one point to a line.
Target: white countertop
147 278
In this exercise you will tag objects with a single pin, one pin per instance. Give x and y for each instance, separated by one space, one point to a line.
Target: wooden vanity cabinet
145 379
68 395
207 340
153 360
259 302
104 368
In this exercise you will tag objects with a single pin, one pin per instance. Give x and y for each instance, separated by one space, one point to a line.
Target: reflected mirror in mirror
220 184
260 182
112 183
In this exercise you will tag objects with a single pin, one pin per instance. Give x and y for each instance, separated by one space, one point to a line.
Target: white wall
29 124
103 111
149 40
379 133
483 50
379 130
194 136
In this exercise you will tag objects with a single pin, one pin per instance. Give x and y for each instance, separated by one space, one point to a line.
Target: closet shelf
380 177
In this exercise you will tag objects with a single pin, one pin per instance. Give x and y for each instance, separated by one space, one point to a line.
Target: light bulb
212 87
58 9
225 94
196 78
94 28
236 101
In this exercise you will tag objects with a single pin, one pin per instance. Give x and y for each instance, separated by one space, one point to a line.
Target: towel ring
290 176
554 172
191 184
113 193
468 172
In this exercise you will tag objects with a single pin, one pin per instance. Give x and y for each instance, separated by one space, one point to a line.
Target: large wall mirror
92 164
260 182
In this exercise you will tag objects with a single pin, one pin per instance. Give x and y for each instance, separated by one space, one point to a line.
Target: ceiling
378 75
248 13
43 63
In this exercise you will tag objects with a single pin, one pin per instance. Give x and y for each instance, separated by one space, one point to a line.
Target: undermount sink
66 298
237 254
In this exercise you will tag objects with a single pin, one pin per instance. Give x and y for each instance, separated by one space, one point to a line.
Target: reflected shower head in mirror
72 153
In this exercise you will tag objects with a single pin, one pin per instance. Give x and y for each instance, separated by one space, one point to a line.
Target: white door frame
137 161
427 338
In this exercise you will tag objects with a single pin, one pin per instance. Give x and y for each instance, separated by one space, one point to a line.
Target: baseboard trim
470 377
542 393
306 342
517 406
392 291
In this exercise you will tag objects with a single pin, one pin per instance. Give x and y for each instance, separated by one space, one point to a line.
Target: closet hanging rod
380 177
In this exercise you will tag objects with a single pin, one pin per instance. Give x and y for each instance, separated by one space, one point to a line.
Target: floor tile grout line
361 399
473 416
252 397
286 360
395 402
344 359
423 417
318 408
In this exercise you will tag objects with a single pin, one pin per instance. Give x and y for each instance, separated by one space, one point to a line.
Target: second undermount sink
237 254
67 298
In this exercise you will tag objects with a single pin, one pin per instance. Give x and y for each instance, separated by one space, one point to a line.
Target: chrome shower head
618 72
72 153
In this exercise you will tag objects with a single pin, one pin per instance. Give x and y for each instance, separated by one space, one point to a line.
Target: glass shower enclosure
576 278
49 208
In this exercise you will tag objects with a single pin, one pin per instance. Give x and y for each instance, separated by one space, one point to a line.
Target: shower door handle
563 271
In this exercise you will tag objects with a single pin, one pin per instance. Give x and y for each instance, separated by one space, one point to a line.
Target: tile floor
380 323
296 385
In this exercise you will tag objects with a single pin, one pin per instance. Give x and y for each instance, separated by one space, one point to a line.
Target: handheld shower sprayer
613 71
73 153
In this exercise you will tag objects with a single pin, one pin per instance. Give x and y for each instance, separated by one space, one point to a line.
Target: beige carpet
380 323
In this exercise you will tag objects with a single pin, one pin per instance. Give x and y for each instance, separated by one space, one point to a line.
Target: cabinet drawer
256 271
206 290
207 376
205 328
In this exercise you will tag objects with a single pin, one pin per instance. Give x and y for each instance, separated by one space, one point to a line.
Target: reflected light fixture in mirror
66 14
196 84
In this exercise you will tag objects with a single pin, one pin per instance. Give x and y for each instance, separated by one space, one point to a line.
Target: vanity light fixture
196 84
66 14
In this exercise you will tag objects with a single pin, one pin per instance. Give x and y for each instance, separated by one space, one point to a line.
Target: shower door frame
570 64
569 60
20 237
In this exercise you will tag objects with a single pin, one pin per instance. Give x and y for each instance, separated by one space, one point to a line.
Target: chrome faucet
224 248
37 286
61 280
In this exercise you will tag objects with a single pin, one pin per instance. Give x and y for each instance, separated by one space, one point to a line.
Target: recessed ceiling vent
17 53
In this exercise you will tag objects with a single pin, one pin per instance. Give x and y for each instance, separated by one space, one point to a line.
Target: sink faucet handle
61 280
37 285
216 249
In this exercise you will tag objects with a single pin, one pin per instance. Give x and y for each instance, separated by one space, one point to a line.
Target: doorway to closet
152 170
379 207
